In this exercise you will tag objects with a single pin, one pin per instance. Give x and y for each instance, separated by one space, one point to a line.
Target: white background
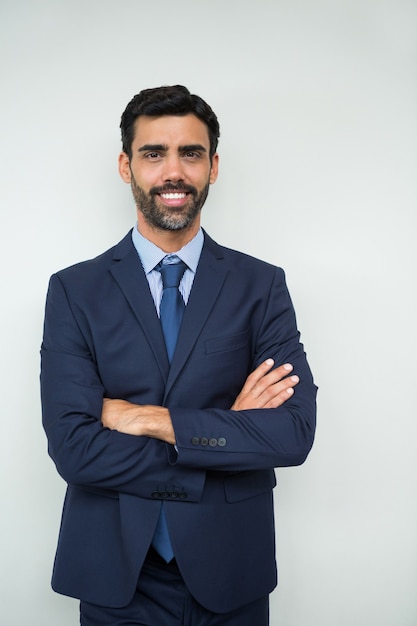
317 102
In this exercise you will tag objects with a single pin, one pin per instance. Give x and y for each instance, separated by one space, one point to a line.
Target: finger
279 399
277 394
262 379
264 369
269 379
257 374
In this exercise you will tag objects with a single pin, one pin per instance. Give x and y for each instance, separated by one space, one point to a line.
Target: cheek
143 180
202 178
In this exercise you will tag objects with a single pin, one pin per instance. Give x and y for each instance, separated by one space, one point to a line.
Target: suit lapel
209 279
128 272
211 272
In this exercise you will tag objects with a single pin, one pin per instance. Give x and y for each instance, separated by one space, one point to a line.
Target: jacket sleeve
85 453
222 439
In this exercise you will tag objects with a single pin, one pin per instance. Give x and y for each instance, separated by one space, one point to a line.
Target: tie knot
172 270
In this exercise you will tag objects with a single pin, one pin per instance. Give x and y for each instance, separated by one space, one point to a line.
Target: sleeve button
221 442
204 441
195 441
213 442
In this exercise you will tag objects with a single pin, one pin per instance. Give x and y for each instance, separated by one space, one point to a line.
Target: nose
173 168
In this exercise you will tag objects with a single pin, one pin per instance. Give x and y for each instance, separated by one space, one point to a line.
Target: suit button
204 441
174 494
155 494
182 495
195 441
164 494
221 442
213 442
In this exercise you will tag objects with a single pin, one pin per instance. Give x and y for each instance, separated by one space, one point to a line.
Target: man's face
170 170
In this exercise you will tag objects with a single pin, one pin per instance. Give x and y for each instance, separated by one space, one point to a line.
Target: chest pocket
227 344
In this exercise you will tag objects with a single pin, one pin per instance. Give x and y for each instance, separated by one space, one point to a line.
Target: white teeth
173 196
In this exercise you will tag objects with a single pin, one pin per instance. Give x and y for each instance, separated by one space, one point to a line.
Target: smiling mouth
173 196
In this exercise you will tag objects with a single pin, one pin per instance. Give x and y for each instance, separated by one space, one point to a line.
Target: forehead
171 130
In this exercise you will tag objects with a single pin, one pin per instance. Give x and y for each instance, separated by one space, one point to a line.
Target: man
168 439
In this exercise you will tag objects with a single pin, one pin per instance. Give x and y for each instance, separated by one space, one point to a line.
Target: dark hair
175 100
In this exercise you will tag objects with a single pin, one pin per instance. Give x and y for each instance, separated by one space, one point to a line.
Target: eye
152 155
192 154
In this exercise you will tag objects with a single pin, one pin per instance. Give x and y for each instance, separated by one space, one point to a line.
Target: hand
144 420
265 388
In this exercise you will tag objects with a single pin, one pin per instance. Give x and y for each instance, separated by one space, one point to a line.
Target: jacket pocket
226 344
96 491
246 485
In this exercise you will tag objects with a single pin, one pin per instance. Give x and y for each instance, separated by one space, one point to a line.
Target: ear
124 167
214 170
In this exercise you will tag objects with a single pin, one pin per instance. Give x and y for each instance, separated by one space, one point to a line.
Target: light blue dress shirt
150 255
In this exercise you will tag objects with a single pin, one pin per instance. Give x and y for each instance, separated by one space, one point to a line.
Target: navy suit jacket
102 338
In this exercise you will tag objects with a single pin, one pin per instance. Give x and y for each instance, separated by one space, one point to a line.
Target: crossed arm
264 388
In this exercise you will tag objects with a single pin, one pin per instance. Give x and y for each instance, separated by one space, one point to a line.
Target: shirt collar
150 255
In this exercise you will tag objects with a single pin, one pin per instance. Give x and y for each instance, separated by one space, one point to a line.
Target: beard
163 217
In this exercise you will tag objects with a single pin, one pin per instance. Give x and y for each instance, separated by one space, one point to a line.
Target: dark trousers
162 599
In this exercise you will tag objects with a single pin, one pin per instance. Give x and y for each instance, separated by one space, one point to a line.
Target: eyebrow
160 147
153 147
192 147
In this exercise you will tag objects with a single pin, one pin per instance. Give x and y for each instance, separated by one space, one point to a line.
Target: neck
167 240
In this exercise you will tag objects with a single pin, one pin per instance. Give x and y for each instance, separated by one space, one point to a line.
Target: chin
176 225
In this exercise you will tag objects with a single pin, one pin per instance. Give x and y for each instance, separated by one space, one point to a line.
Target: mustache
170 187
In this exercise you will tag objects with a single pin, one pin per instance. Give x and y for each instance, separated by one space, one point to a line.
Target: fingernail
288 367
269 361
290 391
